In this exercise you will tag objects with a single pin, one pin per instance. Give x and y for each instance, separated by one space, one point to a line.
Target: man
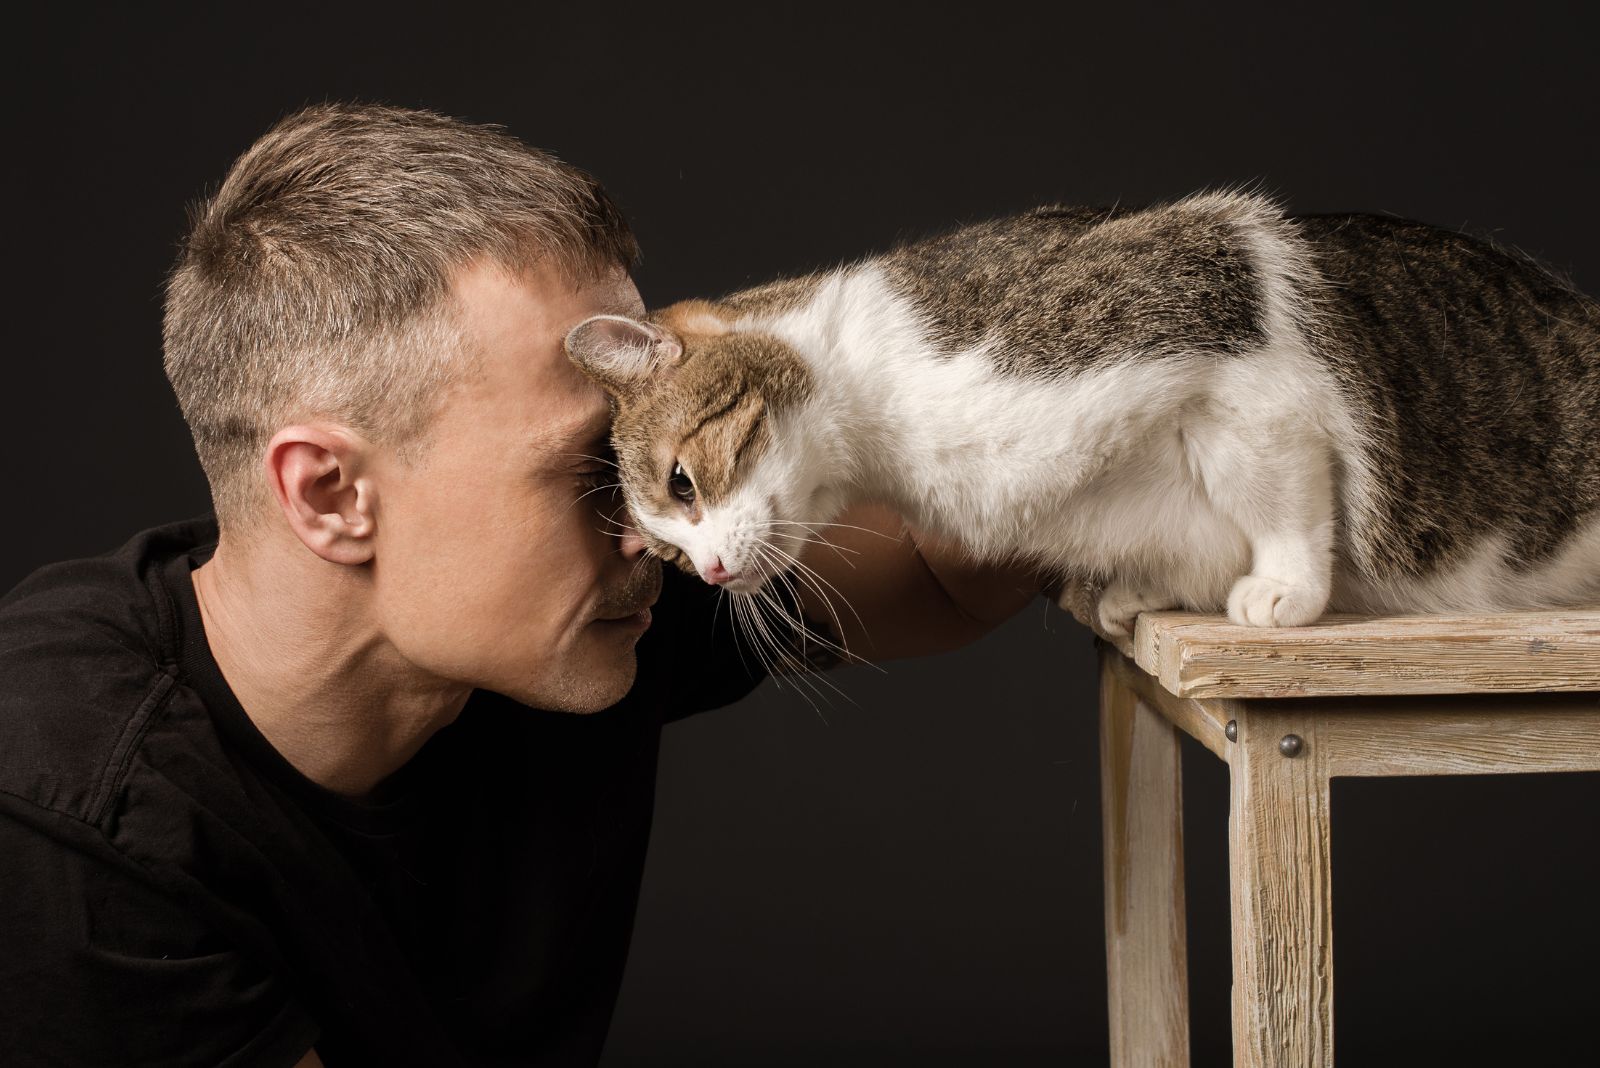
361 773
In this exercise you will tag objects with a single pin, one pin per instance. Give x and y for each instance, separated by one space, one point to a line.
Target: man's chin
582 693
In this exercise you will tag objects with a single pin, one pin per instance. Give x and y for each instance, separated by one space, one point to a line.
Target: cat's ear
621 354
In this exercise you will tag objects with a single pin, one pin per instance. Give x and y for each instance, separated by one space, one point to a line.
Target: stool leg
1141 809
1282 892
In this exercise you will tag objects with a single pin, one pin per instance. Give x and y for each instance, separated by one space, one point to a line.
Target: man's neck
298 643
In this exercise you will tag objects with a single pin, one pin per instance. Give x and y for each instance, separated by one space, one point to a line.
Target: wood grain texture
1204 720
1467 734
1281 895
1196 655
1146 950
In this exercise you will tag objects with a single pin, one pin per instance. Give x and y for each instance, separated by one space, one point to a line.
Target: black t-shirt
174 892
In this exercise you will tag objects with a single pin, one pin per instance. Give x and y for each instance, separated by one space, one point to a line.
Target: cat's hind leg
1272 477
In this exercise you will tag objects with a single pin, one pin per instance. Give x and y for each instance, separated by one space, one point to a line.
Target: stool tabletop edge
1199 655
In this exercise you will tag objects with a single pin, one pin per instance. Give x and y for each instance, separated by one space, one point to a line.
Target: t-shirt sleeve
100 968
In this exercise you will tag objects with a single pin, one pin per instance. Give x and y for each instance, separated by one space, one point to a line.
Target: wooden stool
1288 709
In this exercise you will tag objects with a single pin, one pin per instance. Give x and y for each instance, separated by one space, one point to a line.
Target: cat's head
718 437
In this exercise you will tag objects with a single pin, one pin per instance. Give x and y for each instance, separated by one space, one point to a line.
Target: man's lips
640 618
639 613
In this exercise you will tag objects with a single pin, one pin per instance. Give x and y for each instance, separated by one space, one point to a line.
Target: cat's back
1444 295
1060 289
1369 248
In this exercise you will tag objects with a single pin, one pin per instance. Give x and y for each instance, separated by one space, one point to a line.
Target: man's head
364 333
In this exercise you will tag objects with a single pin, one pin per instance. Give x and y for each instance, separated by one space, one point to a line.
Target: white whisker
802 672
803 568
838 624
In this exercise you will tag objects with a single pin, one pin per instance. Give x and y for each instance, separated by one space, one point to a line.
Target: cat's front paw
1121 604
1258 601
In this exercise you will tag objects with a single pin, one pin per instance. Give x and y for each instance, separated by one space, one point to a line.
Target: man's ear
621 354
314 473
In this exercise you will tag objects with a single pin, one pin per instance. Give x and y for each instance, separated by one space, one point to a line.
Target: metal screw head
1291 744
1232 730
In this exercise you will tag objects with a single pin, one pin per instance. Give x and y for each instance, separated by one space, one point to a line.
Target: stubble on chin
584 692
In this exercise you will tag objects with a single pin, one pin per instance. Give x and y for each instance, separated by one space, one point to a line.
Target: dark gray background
912 875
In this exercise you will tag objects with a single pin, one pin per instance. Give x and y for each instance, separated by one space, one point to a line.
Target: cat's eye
681 485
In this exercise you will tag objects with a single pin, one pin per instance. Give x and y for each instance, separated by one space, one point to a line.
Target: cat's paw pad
1121 604
1258 601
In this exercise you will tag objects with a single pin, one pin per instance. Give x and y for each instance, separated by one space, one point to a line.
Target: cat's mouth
749 579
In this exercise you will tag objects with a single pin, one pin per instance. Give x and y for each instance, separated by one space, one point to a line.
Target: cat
1207 404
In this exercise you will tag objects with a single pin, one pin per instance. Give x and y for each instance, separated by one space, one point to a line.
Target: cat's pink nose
716 574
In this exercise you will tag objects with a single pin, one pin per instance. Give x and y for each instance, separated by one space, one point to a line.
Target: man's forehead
501 304
585 423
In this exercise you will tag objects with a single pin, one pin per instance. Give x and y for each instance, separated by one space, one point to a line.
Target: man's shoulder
110 598
84 646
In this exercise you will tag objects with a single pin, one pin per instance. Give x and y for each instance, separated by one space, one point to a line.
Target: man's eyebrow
576 436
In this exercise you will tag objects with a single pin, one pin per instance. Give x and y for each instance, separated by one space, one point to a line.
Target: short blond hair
316 281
